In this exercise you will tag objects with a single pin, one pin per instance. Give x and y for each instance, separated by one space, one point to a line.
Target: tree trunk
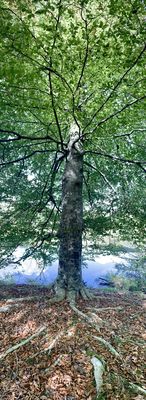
69 280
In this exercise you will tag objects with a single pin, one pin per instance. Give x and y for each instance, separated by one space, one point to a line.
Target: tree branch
42 67
54 169
112 116
130 133
101 173
18 122
50 79
55 113
24 137
53 71
25 88
86 54
26 28
115 158
116 86
25 157
57 24
24 107
88 191
25 55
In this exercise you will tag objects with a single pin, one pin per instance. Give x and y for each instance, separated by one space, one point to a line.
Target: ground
55 364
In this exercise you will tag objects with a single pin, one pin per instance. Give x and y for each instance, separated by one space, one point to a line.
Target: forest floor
53 360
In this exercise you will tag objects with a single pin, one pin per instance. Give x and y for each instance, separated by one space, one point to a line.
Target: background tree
72 111
130 273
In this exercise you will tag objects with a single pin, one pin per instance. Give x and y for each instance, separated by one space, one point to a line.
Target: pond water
29 272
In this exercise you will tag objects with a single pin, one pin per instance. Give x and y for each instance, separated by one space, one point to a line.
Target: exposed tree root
86 294
67 334
99 369
11 303
22 343
98 372
51 345
132 386
105 308
60 294
108 346
56 362
94 317
84 316
136 389
83 294
70 295
19 299
5 309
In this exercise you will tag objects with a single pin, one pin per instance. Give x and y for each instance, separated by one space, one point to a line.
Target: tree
132 274
72 106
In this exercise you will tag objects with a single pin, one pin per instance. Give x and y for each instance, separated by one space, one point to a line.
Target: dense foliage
64 61
131 274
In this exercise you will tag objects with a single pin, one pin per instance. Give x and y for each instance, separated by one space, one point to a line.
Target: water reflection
29 272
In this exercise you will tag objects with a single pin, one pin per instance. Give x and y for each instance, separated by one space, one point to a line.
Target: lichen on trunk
69 278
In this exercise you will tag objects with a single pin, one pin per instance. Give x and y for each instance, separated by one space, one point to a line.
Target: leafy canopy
65 61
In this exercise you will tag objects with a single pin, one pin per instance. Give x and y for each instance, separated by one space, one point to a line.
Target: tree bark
71 225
